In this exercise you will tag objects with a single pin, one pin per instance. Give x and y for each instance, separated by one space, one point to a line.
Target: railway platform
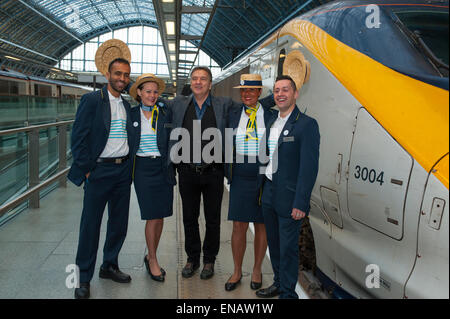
38 245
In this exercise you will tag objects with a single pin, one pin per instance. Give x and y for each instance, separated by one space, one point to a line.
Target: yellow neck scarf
251 133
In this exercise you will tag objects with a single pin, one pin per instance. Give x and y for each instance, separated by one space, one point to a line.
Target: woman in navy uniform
153 174
249 119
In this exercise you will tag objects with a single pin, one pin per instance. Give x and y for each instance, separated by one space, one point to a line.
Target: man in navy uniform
101 141
290 176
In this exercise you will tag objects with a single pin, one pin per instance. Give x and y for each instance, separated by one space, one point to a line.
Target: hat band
251 83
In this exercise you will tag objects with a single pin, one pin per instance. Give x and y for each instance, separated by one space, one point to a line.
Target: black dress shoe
208 271
256 285
114 273
83 291
189 269
269 292
229 286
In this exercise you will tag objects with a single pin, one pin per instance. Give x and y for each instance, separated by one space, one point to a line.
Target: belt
199 169
151 156
115 160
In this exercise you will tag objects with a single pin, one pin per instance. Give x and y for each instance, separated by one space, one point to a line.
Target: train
374 74
27 100
14 83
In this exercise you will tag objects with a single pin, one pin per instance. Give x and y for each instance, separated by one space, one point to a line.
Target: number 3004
369 175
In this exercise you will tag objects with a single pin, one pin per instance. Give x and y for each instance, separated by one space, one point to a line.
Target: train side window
281 59
4 87
9 87
13 88
42 90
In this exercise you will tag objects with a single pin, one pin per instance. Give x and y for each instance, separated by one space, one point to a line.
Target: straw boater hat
108 52
250 81
147 77
297 67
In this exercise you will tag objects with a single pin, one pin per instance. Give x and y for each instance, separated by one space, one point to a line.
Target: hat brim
108 52
161 85
248 87
297 67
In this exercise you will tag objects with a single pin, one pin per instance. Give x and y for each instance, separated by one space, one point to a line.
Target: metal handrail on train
35 185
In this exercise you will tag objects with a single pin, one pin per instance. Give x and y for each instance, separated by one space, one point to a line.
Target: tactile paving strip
214 288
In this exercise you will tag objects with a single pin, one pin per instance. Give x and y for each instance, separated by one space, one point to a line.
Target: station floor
38 245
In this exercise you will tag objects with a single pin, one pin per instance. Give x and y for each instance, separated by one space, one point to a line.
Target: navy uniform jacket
234 118
298 163
163 130
90 133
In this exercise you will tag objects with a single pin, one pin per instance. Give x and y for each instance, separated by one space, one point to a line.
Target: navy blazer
298 163
234 118
90 133
163 130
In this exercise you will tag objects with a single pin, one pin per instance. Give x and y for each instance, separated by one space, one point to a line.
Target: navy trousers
108 183
282 239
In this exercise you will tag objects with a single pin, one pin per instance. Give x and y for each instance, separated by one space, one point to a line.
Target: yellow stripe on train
416 114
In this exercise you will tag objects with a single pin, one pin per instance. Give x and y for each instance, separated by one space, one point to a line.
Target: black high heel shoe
229 286
256 285
159 278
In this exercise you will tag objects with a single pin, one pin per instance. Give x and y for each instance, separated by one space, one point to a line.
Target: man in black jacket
200 175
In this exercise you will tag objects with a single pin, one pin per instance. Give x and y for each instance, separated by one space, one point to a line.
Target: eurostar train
375 77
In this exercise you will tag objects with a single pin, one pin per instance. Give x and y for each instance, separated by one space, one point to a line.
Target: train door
378 178
377 185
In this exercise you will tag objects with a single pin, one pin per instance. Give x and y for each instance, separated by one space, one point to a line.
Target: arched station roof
45 30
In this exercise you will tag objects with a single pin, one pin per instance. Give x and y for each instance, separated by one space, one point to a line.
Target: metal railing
34 184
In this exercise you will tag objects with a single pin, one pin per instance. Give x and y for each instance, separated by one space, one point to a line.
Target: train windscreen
429 31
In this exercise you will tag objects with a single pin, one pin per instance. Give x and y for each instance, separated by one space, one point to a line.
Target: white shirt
117 145
249 147
275 133
148 145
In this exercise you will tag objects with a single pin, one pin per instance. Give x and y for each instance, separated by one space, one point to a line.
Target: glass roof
195 24
46 30
86 17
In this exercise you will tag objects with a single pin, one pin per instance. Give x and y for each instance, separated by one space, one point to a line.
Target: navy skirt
154 193
244 194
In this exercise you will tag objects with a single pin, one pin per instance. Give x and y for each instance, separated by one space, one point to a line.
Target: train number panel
378 178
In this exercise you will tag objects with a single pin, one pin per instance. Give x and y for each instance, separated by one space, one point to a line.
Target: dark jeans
192 186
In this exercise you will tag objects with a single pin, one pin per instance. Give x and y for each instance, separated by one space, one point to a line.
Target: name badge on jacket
288 139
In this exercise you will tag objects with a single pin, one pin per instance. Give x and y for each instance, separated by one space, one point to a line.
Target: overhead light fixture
170 27
173 57
167 1
53 69
172 47
12 58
